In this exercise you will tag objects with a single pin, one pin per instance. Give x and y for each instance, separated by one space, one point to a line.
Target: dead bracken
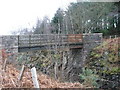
10 80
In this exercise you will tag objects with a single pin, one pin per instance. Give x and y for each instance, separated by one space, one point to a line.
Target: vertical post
29 40
63 64
18 41
4 64
34 77
56 69
110 37
21 73
82 38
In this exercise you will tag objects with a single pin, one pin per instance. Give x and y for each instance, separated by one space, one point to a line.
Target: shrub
89 77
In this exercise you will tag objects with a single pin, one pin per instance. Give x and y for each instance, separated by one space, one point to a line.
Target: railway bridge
49 42
12 44
79 45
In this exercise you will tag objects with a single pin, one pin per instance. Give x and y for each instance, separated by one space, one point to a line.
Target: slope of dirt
9 79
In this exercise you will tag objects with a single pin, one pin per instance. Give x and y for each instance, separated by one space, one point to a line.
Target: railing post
29 40
82 38
18 40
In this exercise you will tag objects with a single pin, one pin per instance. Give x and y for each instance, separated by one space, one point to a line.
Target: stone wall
79 56
90 41
0 47
9 44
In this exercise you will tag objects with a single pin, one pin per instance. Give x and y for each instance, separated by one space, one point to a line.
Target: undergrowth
89 78
105 60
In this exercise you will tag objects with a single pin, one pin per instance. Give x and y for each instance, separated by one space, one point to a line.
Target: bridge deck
41 42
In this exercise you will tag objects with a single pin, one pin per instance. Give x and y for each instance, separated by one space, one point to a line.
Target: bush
89 77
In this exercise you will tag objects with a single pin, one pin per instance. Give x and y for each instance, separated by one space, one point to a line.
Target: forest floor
9 79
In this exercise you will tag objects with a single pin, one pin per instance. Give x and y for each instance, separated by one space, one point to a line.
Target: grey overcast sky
17 14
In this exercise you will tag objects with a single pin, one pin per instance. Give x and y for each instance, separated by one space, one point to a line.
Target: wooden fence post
34 77
29 40
4 65
21 73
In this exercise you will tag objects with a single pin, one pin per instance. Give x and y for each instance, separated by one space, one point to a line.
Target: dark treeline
82 17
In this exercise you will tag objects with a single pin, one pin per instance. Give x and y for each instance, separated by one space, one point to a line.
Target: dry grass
10 80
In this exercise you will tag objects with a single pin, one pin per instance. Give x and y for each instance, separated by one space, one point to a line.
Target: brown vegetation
10 80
